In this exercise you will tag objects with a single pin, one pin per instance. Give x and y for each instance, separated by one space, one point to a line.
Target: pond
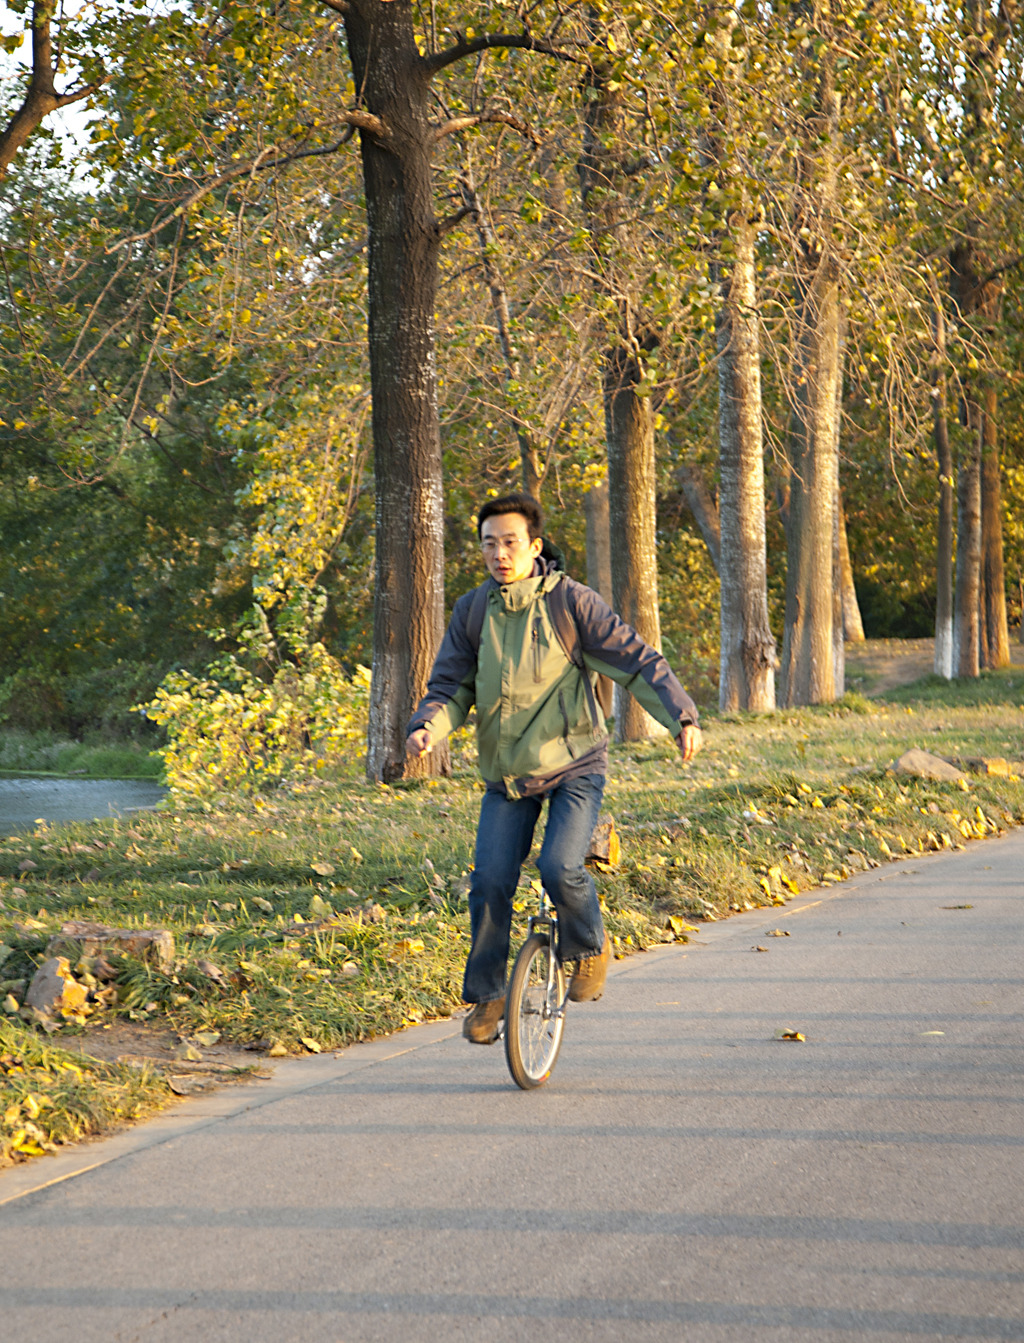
25 800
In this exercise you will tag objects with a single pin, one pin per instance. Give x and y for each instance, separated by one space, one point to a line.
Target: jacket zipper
536 652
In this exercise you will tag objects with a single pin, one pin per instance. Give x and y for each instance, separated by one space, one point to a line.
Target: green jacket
535 720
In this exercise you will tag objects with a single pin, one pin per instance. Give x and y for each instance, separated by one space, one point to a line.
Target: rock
188 1086
926 766
27 865
211 971
604 843
80 938
995 765
54 989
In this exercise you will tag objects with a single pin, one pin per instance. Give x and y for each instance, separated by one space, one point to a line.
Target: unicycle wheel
534 1016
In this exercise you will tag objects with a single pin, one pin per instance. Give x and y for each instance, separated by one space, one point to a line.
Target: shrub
232 730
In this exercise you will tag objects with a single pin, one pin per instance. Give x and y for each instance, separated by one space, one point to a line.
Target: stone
80 938
994 765
604 843
54 989
924 765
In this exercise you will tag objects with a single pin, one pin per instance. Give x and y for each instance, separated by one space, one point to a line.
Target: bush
234 731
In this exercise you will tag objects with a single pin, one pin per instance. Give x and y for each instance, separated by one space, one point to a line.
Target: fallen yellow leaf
409 946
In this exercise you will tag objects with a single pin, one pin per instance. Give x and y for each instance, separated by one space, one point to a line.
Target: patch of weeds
51 1096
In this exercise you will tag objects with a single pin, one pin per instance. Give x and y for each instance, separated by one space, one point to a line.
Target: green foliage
232 730
688 593
97 757
184 419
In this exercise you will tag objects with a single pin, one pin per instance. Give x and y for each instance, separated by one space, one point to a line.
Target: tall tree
808 654
747 645
975 290
943 660
606 163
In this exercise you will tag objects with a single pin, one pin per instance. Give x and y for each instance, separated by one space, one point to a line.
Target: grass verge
314 918
50 1096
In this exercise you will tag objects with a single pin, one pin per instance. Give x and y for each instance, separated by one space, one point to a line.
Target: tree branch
452 221
999 270
490 41
503 118
41 97
365 121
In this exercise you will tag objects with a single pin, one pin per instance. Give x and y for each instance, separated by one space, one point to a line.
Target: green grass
313 918
50 1096
49 753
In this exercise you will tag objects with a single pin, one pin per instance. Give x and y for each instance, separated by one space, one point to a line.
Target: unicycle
535 1002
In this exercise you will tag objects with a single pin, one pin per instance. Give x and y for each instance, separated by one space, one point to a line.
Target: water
25 800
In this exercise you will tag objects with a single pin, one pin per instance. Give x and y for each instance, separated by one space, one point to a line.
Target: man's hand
418 743
689 741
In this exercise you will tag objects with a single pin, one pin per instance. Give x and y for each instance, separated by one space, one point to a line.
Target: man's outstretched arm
450 694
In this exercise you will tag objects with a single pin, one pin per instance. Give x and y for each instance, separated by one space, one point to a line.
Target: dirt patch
190 1064
878 665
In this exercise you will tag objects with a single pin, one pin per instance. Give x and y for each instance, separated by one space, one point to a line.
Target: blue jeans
503 841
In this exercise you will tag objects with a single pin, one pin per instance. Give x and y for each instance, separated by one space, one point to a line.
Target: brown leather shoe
591 972
482 1026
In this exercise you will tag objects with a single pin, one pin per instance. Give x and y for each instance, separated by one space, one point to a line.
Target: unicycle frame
545 922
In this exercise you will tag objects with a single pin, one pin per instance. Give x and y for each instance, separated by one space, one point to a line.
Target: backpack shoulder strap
564 625
475 617
569 637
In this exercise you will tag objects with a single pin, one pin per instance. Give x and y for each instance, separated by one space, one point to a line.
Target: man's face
508 551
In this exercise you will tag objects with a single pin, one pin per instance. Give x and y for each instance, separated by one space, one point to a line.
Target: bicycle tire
533 1032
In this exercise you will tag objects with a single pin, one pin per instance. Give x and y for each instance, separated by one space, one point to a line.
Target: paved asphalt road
685 1176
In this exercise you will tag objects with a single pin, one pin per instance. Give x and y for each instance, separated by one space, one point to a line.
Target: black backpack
565 629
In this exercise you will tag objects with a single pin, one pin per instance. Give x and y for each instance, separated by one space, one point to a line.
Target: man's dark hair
514 503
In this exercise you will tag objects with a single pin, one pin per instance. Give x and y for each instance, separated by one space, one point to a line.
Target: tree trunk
404 241
997 634
944 540
599 563
599 556
838 628
747 649
702 505
629 421
629 430
808 656
975 290
968 549
853 625
838 529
